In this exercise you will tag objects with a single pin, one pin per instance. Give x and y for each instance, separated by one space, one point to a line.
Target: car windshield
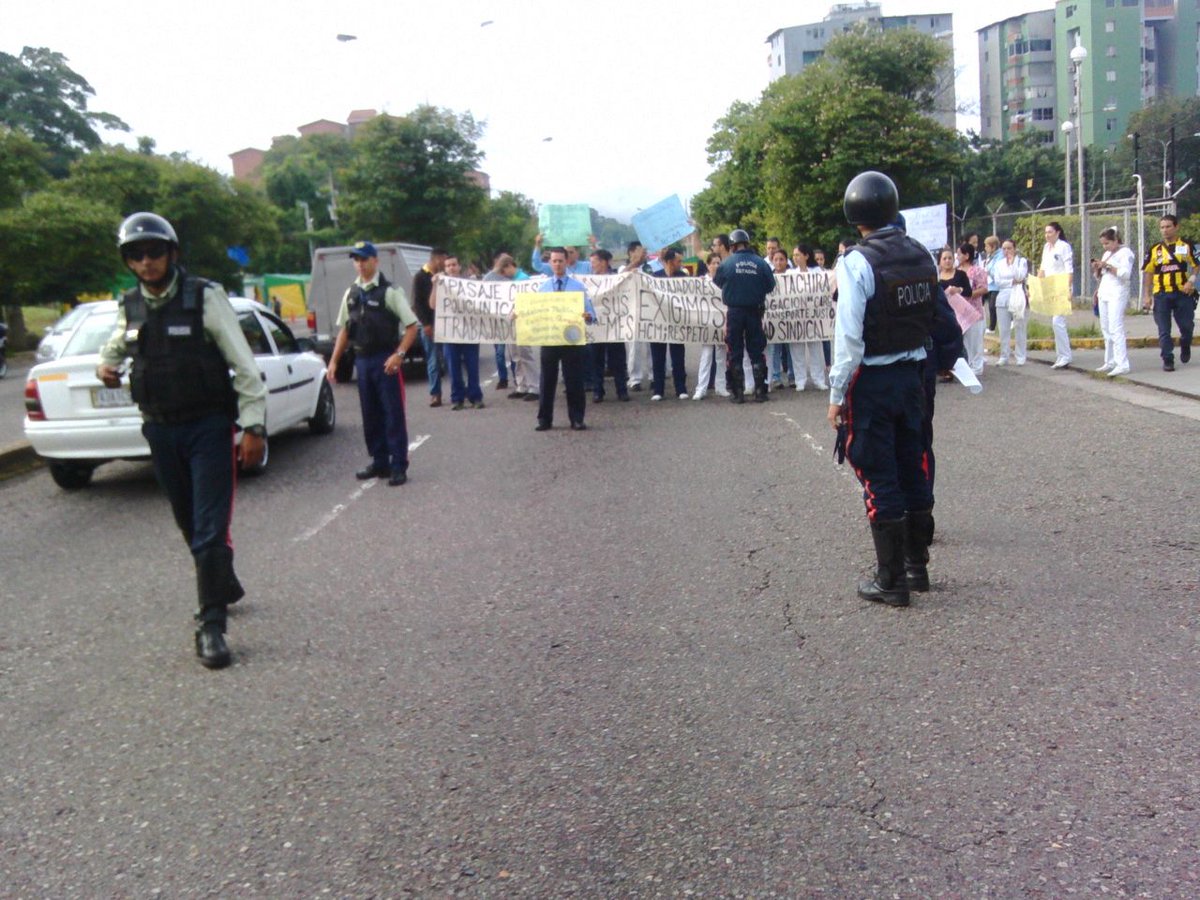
92 334
70 320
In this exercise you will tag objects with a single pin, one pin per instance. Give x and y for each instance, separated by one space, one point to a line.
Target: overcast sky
629 94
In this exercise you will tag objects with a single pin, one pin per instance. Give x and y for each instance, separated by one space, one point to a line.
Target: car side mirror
306 345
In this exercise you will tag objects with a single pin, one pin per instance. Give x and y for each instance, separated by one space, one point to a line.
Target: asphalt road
625 662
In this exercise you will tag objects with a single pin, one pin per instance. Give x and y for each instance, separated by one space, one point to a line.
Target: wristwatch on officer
401 354
257 430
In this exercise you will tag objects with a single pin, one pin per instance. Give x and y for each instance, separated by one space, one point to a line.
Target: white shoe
1002 361
800 388
699 395
724 394
1118 370
683 395
989 331
1106 367
656 397
1061 363
1020 362
822 386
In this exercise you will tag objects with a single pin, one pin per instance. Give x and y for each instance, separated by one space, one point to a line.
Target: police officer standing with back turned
371 317
745 279
887 286
184 338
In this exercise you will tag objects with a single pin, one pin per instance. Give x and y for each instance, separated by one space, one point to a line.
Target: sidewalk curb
16 458
992 343
1120 379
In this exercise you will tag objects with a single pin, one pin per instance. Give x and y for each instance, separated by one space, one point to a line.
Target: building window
1130 2
1070 12
1110 75
1043 114
1111 104
1039 44
1110 3
1111 51
1110 26
1110 124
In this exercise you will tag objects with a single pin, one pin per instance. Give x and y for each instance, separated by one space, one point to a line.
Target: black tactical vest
900 313
373 327
178 374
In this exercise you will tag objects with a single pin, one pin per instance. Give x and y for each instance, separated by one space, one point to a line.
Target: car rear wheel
71 476
325 417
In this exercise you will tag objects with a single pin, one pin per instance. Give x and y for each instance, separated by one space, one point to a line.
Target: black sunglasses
143 249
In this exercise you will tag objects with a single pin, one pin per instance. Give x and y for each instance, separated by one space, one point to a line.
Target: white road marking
815 446
330 516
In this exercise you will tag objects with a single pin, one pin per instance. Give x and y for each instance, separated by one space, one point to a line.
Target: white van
333 272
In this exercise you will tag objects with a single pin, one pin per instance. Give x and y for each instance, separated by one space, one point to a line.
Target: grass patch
1038 330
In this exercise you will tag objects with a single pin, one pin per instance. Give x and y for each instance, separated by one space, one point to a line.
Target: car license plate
107 398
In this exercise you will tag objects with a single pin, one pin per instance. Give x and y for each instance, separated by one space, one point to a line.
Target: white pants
1004 319
1062 341
528 375
638 355
1112 326
808 359
973 344
707 356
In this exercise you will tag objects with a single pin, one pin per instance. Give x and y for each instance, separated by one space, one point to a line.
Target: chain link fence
1026 227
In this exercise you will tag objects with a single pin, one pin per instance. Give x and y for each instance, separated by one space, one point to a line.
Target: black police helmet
738 236
145 226
871 199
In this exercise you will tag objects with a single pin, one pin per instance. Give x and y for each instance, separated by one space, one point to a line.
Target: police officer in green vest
183 336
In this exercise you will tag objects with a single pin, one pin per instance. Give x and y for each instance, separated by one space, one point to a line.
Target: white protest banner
636 306
662 224
800 308
927 226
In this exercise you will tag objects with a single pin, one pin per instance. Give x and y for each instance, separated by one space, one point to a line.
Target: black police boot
737 385
211 646
889 584
760 383
917 527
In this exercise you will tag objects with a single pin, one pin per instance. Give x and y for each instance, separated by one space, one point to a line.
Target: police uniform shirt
394 299
222 328
856 284
1176 257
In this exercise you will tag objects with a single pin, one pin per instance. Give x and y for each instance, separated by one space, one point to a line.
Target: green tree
410 178
507 222
1153 124
78 231
1020 173
45 98
22 166
782 164
612 234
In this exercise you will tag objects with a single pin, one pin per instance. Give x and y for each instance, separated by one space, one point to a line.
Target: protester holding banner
504 268
672 268
778 353
461 357
607 356
808 358
636 352
968 262
1011 272
422 305
575 265
706 370
573 359
1058 259
1114 269
745 280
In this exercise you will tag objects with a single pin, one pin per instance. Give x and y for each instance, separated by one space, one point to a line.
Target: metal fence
1138 229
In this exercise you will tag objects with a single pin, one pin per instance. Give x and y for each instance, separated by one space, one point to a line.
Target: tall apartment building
796 47
1138 50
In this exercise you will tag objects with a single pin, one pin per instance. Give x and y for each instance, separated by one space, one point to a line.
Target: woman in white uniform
808 359
708 354
1057 258
1011 272
1115 270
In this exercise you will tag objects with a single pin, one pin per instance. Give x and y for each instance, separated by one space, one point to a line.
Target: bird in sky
487 23
544 140
347 37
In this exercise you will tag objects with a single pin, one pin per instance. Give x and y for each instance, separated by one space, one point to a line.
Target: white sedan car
76 423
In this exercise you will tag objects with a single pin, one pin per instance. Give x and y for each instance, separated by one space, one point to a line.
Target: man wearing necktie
573 359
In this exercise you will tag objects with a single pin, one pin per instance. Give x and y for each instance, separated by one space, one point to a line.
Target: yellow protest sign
552 319
1051 295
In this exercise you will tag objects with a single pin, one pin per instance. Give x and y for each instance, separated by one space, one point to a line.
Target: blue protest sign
662 224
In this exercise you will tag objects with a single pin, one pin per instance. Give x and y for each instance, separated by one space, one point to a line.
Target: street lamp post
1067 127
1078 55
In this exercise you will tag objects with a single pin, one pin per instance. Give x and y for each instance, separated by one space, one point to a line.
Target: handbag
1016 302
